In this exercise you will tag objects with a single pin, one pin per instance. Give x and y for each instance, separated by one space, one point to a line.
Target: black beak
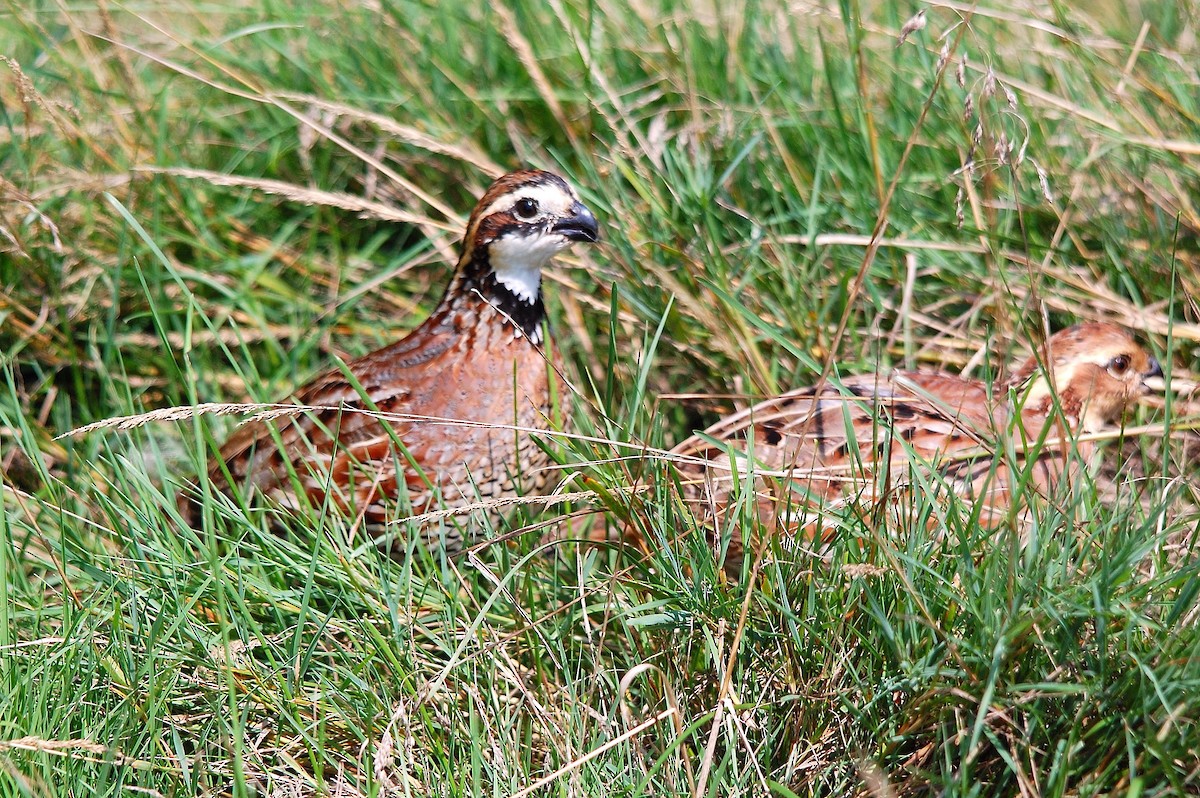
1155 370
579 226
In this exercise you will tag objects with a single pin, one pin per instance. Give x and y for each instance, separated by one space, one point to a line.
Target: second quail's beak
579 226
1155 370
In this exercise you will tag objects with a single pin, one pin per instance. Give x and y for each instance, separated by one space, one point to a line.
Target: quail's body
441 417
463 417
867 435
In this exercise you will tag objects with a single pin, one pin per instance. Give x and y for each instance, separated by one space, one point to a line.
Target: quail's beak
580 225
1152 374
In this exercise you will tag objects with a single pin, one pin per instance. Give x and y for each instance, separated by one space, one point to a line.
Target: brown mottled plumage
476 364
862 437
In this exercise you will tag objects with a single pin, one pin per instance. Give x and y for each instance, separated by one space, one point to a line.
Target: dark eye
1119 365
526 209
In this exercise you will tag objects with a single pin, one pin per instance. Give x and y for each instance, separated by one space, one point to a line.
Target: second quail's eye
1119 365
526 209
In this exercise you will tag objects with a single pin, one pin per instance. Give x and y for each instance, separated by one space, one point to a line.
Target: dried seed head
915 23
24 84
943 56
989 83
1008 95
66 107
960 215
863 571
1044 181
1001 149
960 74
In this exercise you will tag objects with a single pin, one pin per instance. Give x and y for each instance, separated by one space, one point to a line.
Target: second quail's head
1097 370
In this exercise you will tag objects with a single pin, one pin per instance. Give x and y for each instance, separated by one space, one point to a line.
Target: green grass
1038 167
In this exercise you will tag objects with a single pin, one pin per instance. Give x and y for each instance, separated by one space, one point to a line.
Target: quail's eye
1119 365
526 209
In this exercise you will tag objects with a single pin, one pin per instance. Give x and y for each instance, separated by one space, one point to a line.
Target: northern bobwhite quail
475 367
861 437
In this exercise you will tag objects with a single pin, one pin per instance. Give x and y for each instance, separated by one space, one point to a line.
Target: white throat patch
518 260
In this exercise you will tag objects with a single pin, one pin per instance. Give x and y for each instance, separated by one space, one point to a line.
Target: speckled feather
475 366
865 436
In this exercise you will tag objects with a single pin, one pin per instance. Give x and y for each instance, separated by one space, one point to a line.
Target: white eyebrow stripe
550 198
